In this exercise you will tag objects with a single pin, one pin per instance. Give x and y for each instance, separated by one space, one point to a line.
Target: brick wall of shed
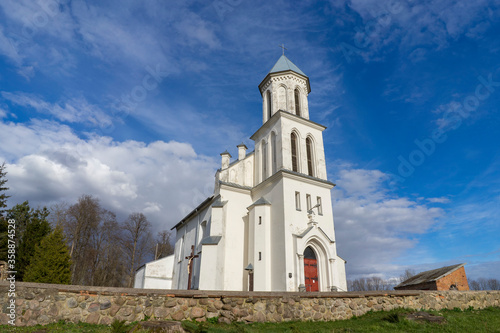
457 278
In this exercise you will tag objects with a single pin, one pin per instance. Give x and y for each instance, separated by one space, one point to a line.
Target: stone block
94 307
160 313
29 296
105 321
317 316
259 317
113 310
105 305
34 304
212 314
178 315
170 303
71 303
92 318
260 306
120 301
218 304
227 314
124 312
197 312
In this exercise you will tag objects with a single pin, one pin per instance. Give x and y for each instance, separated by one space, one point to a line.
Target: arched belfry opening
311 270
268 105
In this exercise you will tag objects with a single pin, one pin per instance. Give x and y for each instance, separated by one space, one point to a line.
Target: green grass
487 320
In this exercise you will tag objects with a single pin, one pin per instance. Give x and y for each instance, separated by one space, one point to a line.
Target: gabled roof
430 276
196 210
284 64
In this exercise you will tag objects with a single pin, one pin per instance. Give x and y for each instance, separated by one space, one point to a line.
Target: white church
269 224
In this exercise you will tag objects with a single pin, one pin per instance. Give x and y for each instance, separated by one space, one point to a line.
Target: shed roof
429 276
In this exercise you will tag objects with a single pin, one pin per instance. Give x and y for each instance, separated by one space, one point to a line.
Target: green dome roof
284 64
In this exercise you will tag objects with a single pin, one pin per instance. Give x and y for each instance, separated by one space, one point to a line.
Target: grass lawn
487 320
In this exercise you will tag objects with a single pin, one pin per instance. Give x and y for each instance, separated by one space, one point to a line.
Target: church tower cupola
285 88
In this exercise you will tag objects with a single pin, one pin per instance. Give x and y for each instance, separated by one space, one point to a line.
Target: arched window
268 105
295 166
297 102
309 151
264 160
273 153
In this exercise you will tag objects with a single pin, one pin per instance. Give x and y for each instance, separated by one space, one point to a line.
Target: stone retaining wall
45 303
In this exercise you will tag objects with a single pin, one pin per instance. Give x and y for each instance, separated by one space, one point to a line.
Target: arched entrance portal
310 270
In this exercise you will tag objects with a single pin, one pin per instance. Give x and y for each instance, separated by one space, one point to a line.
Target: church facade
269 224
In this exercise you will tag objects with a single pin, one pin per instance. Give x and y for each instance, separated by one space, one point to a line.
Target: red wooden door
311 274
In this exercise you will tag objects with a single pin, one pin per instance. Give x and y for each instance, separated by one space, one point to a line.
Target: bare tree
58 214
94 239
137 240
163 245
369 284
493 284
474 285
82 222
110 267
484 284
408 273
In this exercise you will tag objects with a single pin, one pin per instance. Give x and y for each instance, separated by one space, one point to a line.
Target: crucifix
283 47
190 265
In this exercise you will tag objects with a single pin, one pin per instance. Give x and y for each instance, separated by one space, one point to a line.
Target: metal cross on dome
283 47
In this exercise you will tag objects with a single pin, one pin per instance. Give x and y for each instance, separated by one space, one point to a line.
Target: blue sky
133 102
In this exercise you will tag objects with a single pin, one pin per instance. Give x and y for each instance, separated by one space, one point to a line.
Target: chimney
242 151
225 159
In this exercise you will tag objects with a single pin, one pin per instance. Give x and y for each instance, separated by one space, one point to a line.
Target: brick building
444 278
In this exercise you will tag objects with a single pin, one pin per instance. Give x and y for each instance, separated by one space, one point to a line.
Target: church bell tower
285 88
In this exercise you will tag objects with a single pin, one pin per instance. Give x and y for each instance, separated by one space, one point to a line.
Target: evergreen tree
3 239
31 227
3 188
51 262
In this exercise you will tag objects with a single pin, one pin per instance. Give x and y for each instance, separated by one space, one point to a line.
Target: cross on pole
190 265
283 47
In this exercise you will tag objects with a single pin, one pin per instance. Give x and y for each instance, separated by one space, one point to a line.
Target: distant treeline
377 283
82 241
103 251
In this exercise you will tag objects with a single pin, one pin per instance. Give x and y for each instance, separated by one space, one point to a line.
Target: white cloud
373 227
47 163
424 23
438 200
74 110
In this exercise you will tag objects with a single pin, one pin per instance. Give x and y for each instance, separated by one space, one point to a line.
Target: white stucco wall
139 277
187 235
155 274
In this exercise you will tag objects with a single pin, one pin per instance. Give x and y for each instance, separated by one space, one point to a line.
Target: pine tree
51 262
31 227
